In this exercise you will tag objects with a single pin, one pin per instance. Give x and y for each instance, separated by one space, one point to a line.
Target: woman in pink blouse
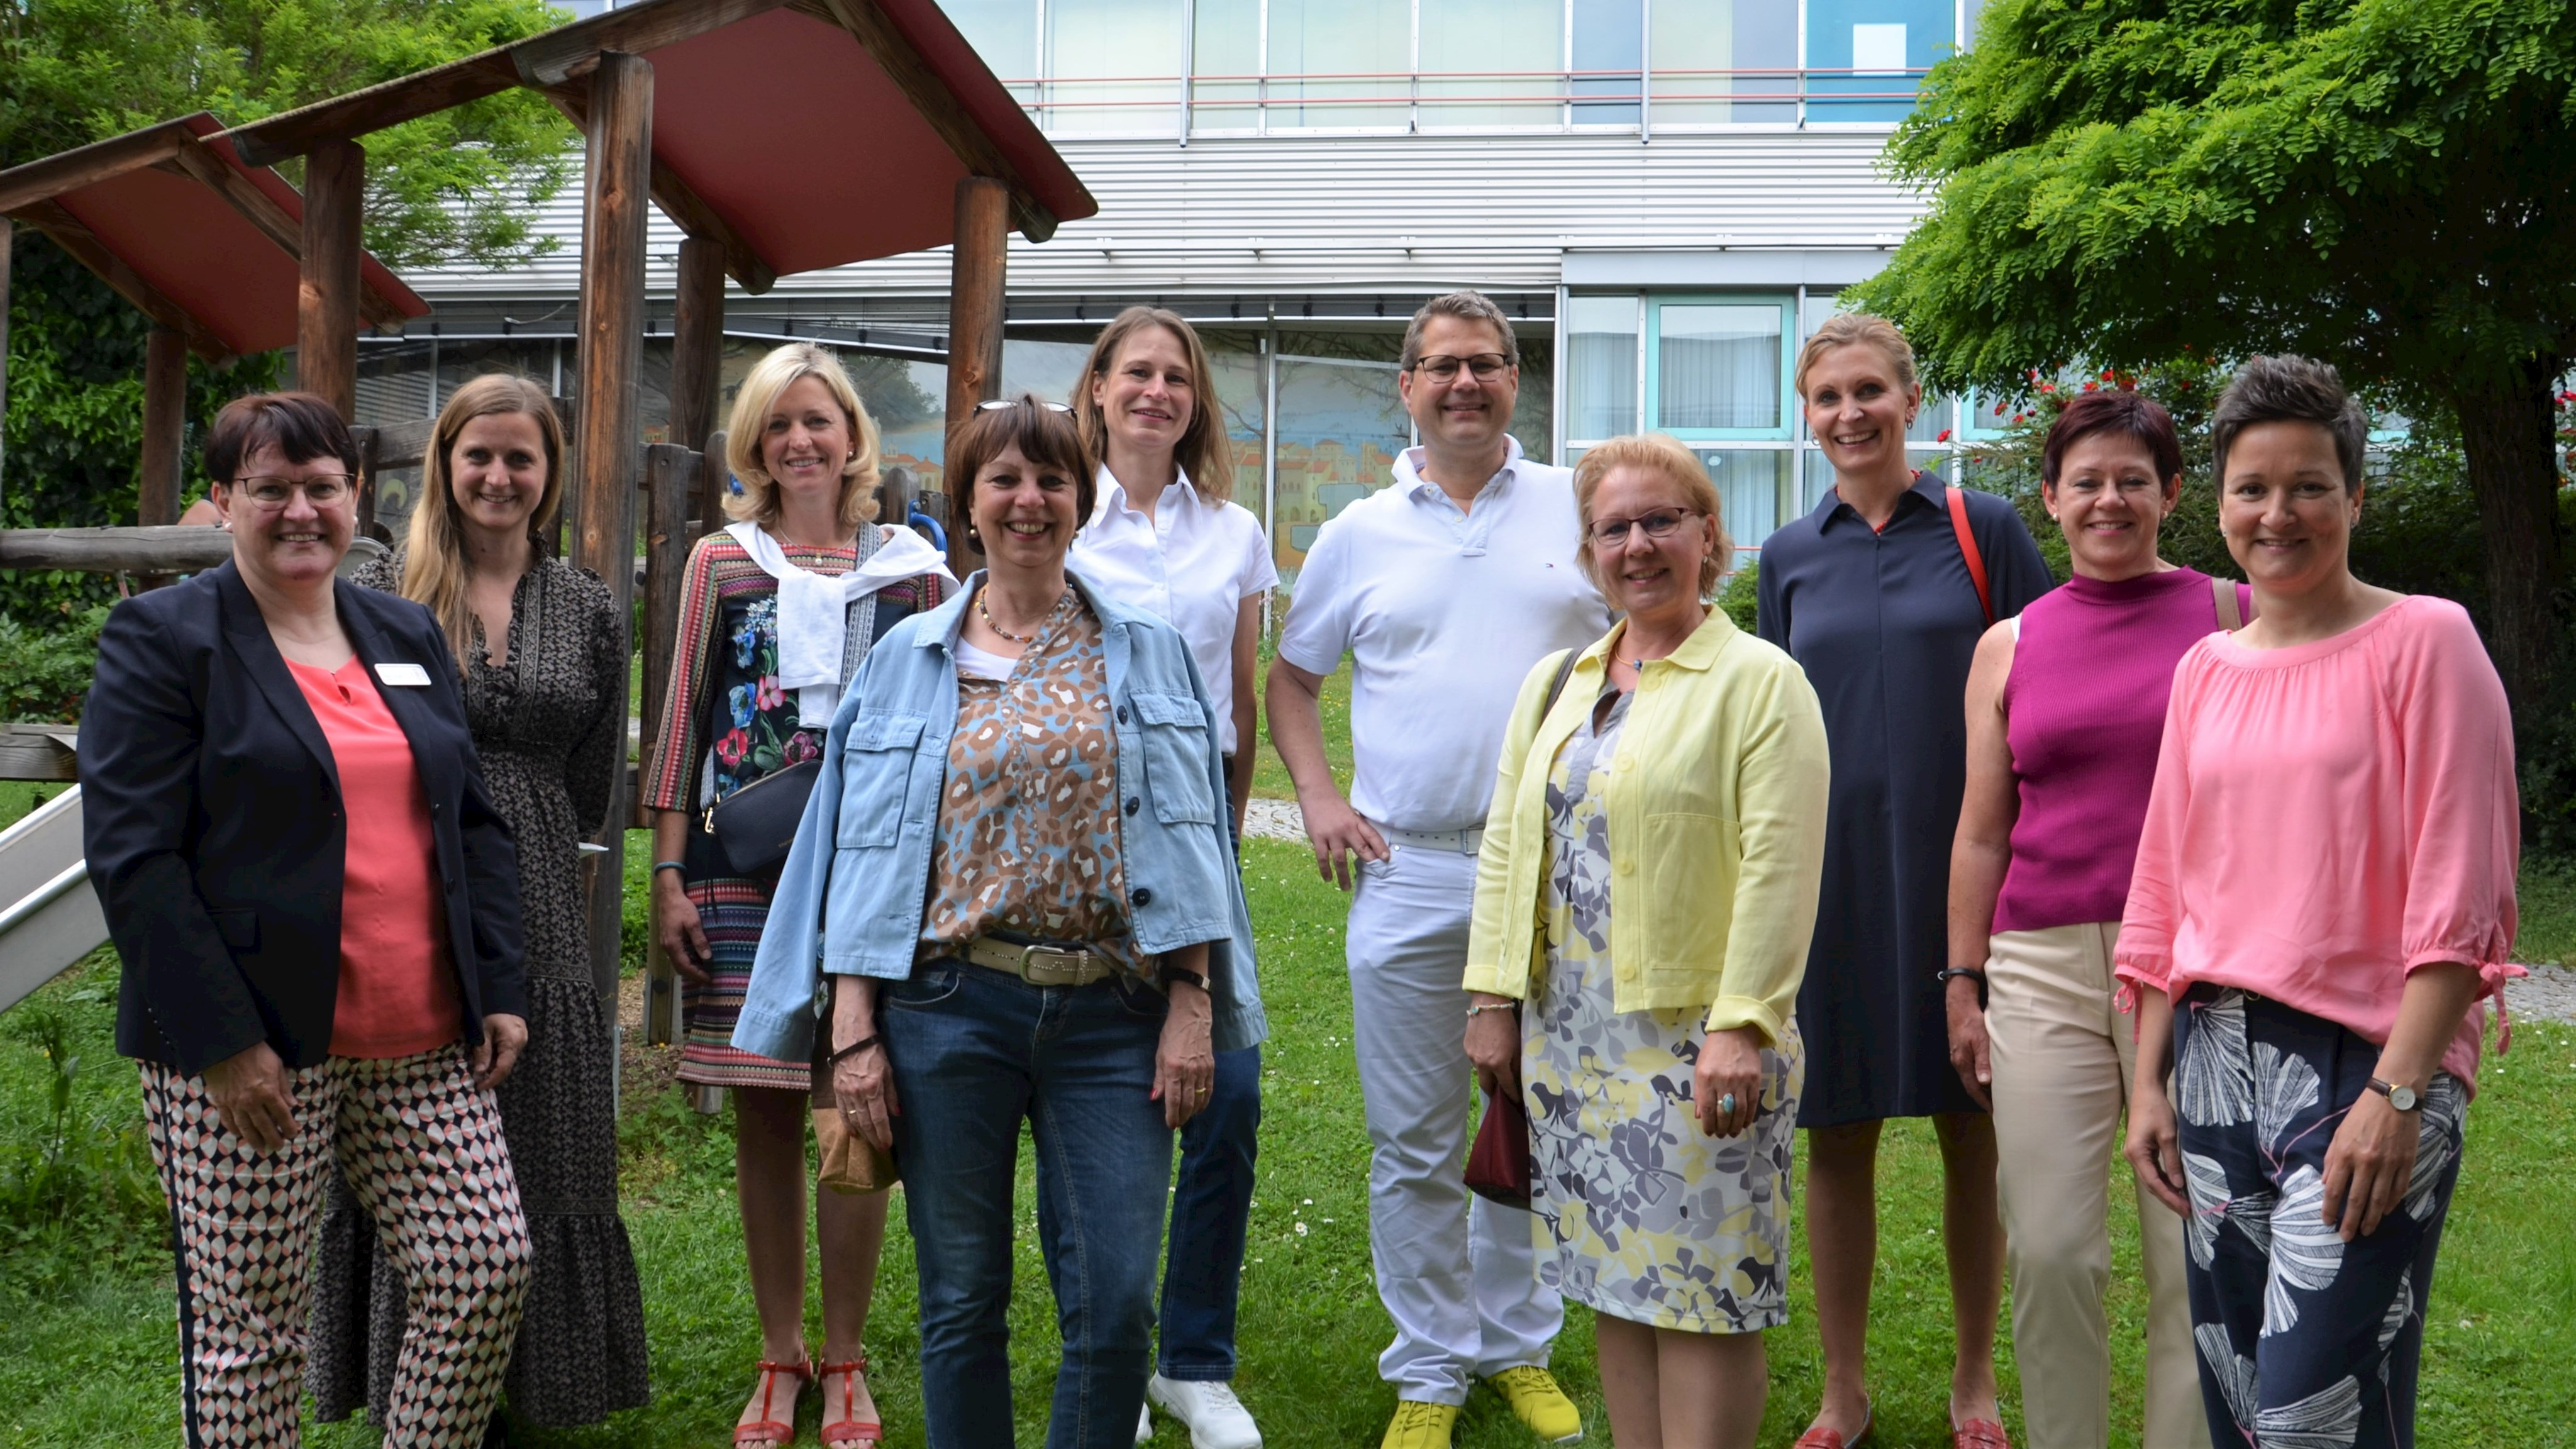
2324 896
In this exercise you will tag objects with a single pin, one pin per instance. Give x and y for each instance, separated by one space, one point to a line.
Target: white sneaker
1144 1423
1216 1418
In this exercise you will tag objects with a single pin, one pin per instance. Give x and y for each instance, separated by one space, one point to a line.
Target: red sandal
767 1430
850 1431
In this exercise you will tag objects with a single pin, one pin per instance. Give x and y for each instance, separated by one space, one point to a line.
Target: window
1491 62
1609 43
1711 56
1600 367
1339 63
1868 55
1113 65
1717 368
1225 85
1005 34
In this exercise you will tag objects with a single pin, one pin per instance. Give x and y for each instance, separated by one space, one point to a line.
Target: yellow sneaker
1418 1425
1539 1403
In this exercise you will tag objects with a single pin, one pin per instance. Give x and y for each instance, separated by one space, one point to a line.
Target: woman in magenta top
2324 895
2065 706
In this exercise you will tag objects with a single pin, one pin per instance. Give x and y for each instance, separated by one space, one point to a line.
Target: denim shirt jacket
858 878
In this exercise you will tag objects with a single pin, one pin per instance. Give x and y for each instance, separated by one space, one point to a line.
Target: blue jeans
974 1053
1211 1208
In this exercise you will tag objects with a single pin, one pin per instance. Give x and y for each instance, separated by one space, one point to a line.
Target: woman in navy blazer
318 912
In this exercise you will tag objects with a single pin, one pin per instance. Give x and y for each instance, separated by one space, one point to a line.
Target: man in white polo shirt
1444 590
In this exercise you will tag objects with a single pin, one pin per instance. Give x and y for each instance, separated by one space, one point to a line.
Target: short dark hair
298 424
1044 435
2141 419
1472 305
2288 389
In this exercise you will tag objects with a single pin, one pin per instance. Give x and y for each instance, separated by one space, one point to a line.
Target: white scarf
814 609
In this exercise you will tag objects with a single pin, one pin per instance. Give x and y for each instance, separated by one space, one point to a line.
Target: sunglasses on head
999 403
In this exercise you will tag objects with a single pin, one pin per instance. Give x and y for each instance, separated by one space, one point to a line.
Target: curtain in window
1718 367
1601 367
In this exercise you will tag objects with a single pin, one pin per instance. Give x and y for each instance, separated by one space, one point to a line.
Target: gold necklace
1019 639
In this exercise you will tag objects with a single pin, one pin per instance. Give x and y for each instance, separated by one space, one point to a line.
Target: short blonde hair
1656 453
1847 328
770 377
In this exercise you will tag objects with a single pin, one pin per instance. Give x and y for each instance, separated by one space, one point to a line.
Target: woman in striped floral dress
744 703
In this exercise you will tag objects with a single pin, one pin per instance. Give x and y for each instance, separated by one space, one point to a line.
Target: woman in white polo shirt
1165 538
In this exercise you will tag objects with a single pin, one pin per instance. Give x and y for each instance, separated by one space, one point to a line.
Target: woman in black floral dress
543 708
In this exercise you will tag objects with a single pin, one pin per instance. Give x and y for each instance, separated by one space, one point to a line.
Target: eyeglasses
321 490
1000 403
1612 532
1442 368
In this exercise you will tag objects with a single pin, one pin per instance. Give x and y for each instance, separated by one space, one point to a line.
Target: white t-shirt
1443 613
1192 567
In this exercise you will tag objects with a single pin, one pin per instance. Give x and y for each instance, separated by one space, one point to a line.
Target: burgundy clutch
1498 1165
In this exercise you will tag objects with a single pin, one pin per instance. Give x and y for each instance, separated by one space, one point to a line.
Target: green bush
76 1183
44 672
1740 594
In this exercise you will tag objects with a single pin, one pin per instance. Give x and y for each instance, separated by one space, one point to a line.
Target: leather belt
1038 965
1456 842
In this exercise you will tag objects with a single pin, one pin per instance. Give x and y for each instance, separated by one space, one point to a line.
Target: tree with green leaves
2386 185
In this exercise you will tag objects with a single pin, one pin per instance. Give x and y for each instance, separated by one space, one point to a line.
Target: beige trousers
2062 1055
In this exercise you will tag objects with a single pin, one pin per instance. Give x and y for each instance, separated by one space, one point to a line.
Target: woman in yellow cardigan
1646 889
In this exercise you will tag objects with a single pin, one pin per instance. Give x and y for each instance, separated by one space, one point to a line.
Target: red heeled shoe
768 1429
850 1431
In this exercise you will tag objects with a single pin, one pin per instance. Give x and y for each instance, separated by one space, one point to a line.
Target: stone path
1274 820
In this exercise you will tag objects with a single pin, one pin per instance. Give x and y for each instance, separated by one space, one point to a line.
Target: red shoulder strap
1968 550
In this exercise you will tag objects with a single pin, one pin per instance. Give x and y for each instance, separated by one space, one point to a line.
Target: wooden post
697 342
8 240
670 489
615 198
165 427
709 508
326 308
976 289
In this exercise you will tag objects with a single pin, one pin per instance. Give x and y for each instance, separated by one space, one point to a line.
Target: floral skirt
1639 1215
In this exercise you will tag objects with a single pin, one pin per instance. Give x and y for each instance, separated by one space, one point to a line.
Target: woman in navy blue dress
1874 594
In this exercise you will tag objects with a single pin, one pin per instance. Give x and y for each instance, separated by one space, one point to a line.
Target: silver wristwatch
2404 1099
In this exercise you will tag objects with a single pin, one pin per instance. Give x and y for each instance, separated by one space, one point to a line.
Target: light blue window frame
1655 305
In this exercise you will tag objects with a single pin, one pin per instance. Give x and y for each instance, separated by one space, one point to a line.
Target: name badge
403 676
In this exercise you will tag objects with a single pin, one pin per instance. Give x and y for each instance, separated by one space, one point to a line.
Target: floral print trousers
2305 1341
423 1150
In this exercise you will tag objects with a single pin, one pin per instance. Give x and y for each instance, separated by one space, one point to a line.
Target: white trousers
2062 1058
1457 1273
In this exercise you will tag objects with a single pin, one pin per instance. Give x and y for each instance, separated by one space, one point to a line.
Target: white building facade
1665 196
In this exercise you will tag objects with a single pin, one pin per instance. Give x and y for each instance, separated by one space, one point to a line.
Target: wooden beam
343 118
175 549
977 278
71 170
616 198
198 161
165 427
635 29
709 508
69 233
697 342
670 483
39 752
937 104
691 213
326 310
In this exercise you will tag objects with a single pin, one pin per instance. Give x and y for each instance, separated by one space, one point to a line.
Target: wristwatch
1171 974
1945 975
2404 1099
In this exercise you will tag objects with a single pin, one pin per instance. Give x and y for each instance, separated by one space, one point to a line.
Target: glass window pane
1490 62
1340 63
1340 426
1934 423
1005 34
1753 491
1600 366
1718 366
1868 55
1225 89
1609 43
1712 55
1113 65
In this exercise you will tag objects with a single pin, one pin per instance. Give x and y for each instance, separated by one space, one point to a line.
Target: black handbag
754 826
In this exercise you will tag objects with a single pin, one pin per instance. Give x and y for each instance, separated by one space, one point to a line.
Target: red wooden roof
172 218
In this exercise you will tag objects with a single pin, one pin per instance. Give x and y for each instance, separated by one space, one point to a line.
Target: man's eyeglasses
1000 403
1440 367
321 489
1612 532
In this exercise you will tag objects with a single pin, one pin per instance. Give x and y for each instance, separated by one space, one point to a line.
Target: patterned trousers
423 1150
2306 1341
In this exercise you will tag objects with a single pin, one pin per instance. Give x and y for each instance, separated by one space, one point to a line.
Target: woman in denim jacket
1017 847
